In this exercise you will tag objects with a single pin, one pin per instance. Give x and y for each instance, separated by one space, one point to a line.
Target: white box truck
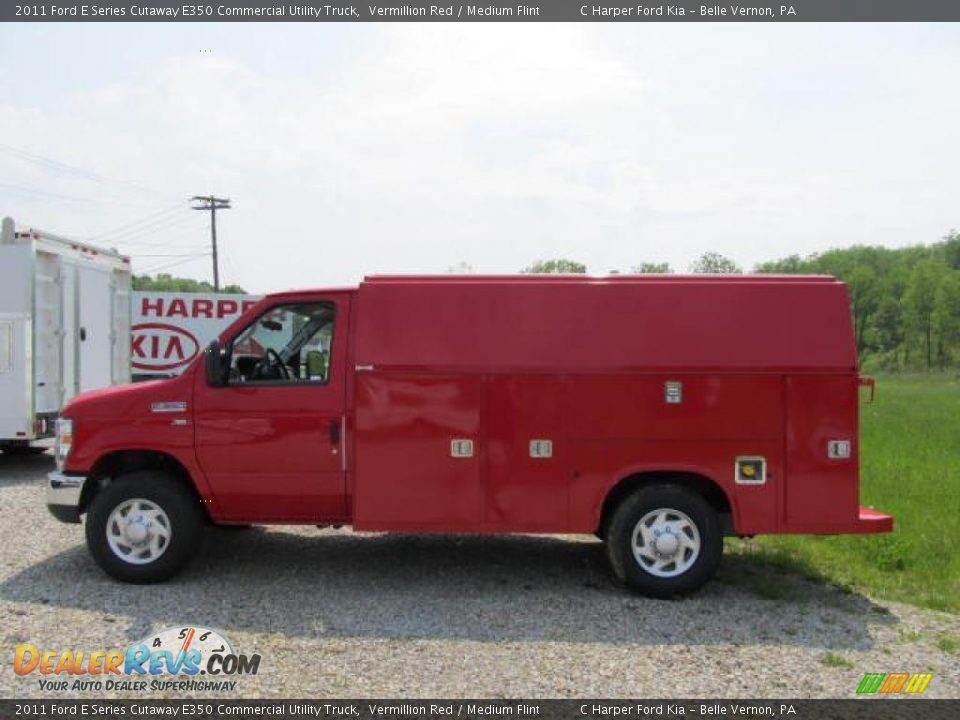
64 329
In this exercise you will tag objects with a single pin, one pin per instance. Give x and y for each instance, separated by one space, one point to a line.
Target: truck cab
659 413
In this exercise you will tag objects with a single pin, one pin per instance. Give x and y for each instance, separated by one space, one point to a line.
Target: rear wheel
664 540
144 527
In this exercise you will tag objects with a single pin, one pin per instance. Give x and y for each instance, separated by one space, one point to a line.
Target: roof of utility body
593 279
577 323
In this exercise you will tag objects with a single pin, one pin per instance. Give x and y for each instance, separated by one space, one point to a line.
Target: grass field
909 467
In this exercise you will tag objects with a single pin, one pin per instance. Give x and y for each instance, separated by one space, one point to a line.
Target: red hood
123 400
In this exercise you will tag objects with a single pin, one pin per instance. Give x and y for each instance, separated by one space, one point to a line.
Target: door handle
335 433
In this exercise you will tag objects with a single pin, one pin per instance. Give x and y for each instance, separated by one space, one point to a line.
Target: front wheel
144 527
664 540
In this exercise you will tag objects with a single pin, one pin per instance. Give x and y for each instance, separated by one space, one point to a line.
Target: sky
357 149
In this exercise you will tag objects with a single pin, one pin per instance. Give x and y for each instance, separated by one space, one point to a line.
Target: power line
145 243
72 198
211 203
135 238
135 223
228 262
167 266
166 246
171 255
77 172
142 246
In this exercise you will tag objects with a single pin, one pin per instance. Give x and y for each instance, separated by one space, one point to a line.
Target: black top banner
496 11
394 709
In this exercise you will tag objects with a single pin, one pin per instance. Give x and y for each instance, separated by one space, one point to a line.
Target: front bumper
63 496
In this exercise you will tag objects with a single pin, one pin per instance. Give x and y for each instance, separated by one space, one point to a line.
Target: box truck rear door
95 327
16 413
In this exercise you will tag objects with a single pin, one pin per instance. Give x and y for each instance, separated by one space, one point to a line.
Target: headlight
64 440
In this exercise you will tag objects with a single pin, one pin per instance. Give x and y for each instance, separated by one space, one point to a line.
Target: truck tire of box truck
664 540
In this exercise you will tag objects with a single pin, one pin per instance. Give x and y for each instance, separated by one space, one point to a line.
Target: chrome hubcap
665 543
138 531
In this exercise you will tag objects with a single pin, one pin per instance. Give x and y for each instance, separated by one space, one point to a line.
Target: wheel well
122 462
700 484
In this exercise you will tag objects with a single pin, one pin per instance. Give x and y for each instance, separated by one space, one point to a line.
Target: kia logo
159 346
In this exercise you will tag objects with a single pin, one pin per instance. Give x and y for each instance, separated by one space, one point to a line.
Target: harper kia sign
170 329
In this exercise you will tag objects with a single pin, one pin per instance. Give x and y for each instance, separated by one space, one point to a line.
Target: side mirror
216 364
316 365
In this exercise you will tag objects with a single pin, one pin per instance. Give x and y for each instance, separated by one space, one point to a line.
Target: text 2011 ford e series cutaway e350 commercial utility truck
659 412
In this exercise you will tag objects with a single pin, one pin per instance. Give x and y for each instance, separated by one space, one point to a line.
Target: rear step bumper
872 521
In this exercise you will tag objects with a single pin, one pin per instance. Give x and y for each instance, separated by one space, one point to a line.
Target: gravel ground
335 614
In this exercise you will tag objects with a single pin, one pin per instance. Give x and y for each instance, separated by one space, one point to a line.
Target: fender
625 473
184 457
138 417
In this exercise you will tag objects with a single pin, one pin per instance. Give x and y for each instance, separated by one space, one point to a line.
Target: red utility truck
659 412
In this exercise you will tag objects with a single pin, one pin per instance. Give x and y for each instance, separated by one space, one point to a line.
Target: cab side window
287 344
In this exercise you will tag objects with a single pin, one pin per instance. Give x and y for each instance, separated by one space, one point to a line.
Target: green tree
164 282
864 299
715 263
900 299
652 268
559 265
946 316
887 333
461 268
951 249
792 265
919 302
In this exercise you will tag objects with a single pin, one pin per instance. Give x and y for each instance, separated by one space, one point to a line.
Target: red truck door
271 442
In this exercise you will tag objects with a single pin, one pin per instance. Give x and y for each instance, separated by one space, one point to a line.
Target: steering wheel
273 358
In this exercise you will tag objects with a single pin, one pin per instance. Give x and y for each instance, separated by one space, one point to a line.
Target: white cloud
412 147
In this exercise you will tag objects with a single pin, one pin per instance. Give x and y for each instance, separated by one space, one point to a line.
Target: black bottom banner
865 709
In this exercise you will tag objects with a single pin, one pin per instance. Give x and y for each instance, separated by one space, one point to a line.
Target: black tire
181 507
22 450
625 521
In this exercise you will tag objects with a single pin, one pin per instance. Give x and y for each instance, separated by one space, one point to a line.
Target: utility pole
211 203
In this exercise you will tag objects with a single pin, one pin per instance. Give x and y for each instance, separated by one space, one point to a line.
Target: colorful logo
187 651
892 683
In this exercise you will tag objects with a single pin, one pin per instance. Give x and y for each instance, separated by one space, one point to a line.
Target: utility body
64 329
658 412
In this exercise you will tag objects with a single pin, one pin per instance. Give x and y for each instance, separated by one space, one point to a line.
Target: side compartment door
418 451
822 484
527 486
